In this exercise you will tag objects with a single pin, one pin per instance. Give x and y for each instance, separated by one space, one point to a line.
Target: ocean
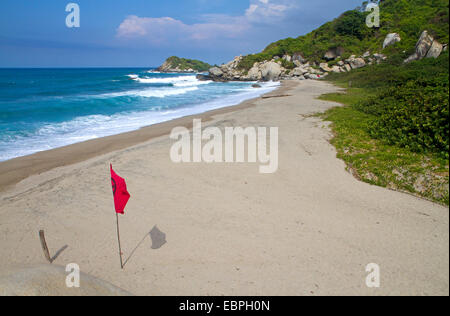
42 109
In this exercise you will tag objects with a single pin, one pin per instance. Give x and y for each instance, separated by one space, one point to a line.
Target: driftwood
44 246
276 96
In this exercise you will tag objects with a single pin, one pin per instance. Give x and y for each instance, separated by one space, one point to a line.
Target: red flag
120 193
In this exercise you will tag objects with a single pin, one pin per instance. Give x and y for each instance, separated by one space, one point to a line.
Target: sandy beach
311 228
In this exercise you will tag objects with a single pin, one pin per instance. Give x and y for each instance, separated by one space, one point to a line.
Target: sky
143 33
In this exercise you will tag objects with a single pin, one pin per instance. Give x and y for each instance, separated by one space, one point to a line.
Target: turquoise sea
42 109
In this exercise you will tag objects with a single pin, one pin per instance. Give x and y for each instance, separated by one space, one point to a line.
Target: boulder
299 71
424 44
411 58
297 63
366 54
256 85
254 73
435 50
391 39
379 56
271 71
215 72
347 67
287 58
311 76
333 53
336 69
340 63
357 63
203 77
298 57
324 67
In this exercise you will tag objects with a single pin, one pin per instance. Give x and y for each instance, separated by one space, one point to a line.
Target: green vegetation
406 17
394 128
185 64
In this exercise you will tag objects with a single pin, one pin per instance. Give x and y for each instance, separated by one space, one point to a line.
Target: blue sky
142 33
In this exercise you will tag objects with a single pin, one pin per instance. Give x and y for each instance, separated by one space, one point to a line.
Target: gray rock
347 67
340 63
216 72
299 71
287 58
424 44
324 67
298 57
357 63
256 85
311 76
203 77
379 56
254 73
336 69
411 58
271 71
333 53
435 50
366 54
391 39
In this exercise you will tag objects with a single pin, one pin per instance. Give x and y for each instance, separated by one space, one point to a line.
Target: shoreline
229 229
17 169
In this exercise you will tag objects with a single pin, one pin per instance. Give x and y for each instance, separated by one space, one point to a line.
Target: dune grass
376 162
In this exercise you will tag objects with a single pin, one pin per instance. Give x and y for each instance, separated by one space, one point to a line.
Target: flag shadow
158 239
58 253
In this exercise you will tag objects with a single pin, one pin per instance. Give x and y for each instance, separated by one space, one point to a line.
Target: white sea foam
149 93
94 126
179 81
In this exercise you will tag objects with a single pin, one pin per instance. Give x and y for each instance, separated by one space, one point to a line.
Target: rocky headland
299 68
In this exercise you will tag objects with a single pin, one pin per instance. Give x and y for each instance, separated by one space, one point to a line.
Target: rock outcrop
333 53
356 63
435 50
177 64
302 69
426 47
271 71
391 39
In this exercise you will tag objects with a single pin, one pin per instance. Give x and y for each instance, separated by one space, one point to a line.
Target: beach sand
308 229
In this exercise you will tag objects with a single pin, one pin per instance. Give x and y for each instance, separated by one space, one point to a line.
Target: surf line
220 148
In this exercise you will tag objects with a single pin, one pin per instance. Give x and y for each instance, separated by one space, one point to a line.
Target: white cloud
269 11
162 29
158 30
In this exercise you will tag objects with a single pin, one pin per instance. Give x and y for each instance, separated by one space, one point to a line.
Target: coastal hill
349 35
177 64
393 130
408 30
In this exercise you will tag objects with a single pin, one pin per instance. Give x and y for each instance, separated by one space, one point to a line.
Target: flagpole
118 239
